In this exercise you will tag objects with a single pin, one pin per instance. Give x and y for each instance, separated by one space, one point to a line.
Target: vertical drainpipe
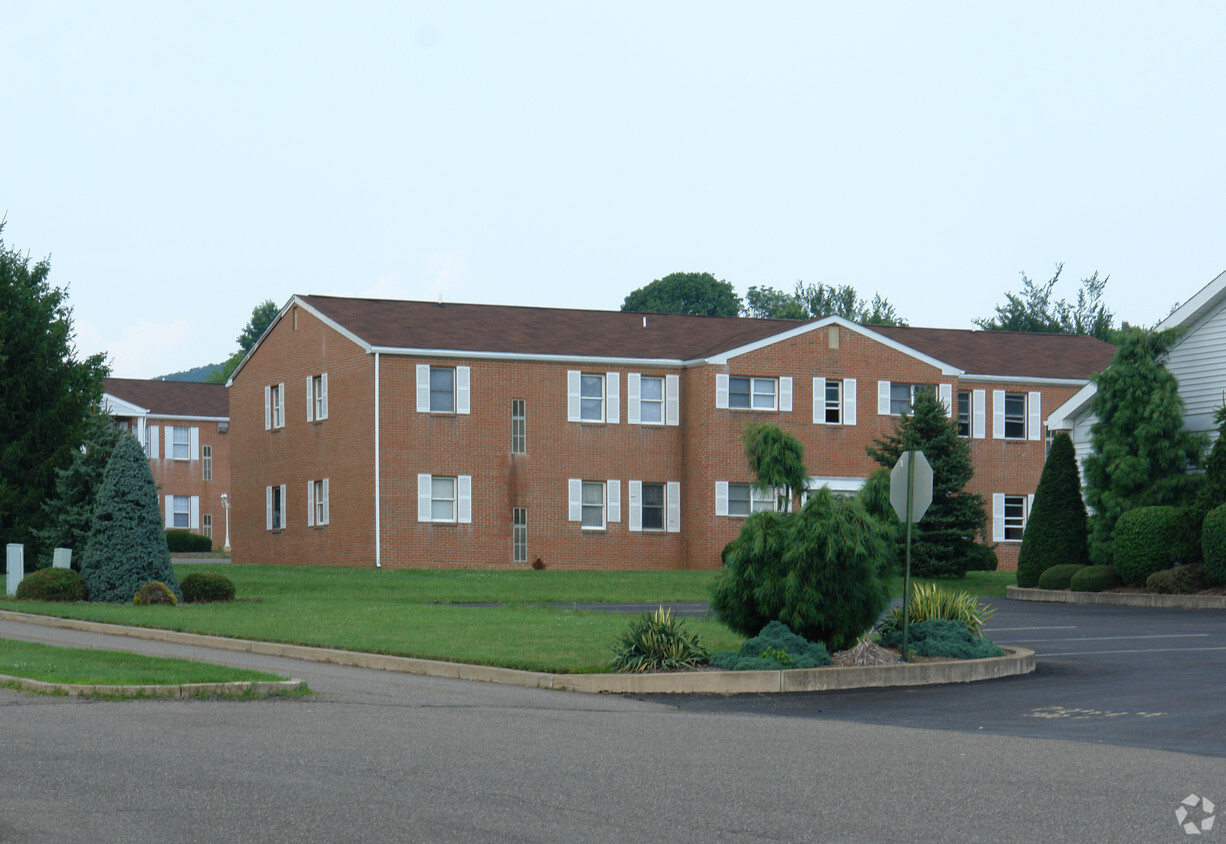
378 496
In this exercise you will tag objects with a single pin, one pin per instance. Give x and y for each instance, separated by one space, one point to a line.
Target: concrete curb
182 690
1017 661
1118 599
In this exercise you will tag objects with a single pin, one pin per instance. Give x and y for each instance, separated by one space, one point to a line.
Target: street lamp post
225 502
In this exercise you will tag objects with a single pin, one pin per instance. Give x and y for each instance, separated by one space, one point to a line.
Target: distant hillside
200 373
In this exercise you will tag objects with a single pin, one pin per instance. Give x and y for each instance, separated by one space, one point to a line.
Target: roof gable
171 398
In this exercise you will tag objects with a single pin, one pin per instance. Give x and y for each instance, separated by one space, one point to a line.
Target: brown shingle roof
1007 353
172 398
515 330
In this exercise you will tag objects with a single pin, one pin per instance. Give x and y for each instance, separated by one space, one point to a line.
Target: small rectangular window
593 504
442 389
180 439
276 397
442 499
1015 416
182 514
519 427
206 455
278 508
519 534
320 496
651 400
834 402
318 398
752 393
653 507
903 396
591 398
744 499
964 413
207 525
1015 517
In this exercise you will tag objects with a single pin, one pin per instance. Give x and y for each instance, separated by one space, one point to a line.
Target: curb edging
1117 599
178 690
1017 661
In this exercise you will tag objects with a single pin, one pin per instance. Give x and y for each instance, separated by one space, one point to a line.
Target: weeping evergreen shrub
126 547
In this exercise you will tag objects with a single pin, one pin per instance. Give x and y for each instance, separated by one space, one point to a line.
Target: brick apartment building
184 427
415 434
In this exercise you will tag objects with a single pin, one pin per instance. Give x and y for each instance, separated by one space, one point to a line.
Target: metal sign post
910 495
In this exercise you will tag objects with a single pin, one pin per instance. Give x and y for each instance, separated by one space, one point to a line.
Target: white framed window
964 413
519 426
897 399
182 518
834 401
1017 416
443 389
206 526
180 443
593 397
653 399
594 504
206 462
444 498
753 393
317 397
519 534
274 507
743 499
317 503
1009 515
274 407
655 506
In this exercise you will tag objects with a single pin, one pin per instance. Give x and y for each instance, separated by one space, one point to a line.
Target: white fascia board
461 353
1066 416
1021 379
1190 312
723 358
297 300
115 406
156 416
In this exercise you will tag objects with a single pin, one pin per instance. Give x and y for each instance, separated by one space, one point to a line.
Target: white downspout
378 494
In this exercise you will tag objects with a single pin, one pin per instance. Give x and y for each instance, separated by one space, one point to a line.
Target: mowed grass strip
413 613
54 664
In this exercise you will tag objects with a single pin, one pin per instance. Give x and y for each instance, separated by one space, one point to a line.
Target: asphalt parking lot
1140 677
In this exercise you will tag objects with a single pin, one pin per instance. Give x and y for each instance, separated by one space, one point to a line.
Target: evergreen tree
777 460
1213 492
1056 530
1141 451
944 542
262 316
71 511
127 543
46 394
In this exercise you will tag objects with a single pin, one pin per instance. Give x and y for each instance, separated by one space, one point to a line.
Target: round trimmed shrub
1148 540
206 588
1213 544
1058 577
154 592
186 542
1094 579
1180 580
52 585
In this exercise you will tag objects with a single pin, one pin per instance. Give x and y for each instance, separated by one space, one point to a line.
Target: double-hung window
753 393
743 499
1017 416
443 389
594 504
274 507
182 511
964 413
181 441
444 498
317 397
903 396
317 503
593 396
834 401
655 506
1009 515
651 400
274 406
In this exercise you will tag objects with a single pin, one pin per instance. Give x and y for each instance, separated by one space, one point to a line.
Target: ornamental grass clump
658 642
775 648
930 602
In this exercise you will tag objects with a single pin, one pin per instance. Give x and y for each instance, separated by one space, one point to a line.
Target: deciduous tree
812 301
685 293
262 316
1032 309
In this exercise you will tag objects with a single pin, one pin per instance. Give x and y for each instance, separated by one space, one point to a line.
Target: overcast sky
180 162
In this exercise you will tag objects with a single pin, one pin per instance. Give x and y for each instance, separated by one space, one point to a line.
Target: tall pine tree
1056 530
1141 450
945 544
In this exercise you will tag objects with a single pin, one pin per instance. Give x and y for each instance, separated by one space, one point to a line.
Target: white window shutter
633 396
464 494
785 395
323 403
267 408
612 400
978 414
721 389
576 499
1034 407
1029 506
423 498
193 513
946 392
154 453
463 376
574 378
998 517
674 507
721 498
423 388
324 518
883 398
849 401
310 394
614 500
267 508
170 511
310 504
998 414
635 491
281 413
819 400
672 399
193 439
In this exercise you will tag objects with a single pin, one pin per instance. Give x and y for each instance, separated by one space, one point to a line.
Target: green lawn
111 668
412 613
